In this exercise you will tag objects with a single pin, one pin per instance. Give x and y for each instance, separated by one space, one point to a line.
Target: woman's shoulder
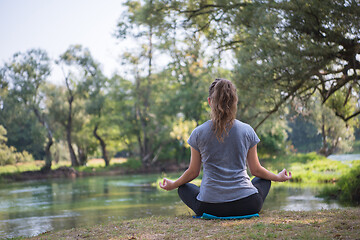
204 126
243 126
201 130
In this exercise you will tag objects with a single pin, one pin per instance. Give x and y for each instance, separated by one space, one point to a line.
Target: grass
319 171
92 164
287 160
309 168
324 224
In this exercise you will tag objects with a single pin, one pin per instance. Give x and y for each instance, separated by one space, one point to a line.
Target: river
346 158
31 208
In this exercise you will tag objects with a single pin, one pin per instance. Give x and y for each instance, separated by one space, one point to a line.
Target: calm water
31 208
344 157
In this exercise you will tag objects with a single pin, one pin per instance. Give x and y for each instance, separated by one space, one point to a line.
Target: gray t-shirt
224 163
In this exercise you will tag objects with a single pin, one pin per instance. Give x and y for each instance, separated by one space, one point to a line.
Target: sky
54 25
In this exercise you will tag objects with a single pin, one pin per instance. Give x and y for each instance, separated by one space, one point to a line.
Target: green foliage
318 170
272 143
132 164
286 50
288 160
27 72
349 185
356 147
347 189
9 155
307 168
60 152
303 135
23 130
337 136
308 157
181 130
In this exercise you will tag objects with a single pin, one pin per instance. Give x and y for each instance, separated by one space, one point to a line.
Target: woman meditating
223 145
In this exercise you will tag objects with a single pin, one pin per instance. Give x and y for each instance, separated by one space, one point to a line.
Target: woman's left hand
167 184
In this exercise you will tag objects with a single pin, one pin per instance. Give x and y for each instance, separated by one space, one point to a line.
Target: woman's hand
167 184
283 176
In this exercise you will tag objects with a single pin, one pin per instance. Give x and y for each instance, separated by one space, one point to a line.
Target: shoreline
322 224
66 172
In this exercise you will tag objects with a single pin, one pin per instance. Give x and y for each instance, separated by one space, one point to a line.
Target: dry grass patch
325 224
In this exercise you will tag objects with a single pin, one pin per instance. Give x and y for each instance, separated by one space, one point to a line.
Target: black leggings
245 206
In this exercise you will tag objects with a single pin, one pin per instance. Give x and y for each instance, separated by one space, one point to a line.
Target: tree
96 107
26 73
124 128
57 108
194 73
337 136
143 21
93 85
303 134
286 49
74 78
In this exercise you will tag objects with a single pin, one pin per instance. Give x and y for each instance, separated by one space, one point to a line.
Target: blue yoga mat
209 216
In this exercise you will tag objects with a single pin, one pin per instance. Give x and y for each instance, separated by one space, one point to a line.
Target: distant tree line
296 65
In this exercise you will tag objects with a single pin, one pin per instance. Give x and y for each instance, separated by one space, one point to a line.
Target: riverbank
94 167
324 224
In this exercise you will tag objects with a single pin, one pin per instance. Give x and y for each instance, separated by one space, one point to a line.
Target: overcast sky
53 25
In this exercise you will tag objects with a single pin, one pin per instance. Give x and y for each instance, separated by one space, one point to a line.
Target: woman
222 145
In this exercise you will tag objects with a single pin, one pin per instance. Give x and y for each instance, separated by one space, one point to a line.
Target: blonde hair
223 97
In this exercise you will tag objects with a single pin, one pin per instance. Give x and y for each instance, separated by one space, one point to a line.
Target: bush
356 146
8 155
132 163
349 186
347 189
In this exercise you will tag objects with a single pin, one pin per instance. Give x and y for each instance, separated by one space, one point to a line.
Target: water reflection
31 208
296 198
344 157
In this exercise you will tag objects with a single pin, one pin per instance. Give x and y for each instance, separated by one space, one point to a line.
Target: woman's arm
190 174
259 171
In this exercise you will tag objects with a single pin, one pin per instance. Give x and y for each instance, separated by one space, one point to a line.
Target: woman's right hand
284 176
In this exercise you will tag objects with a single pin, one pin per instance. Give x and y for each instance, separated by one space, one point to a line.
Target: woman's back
224 162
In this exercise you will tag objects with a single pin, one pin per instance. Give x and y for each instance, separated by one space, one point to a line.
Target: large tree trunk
48 158
82 155
324 148
74 161
103 146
